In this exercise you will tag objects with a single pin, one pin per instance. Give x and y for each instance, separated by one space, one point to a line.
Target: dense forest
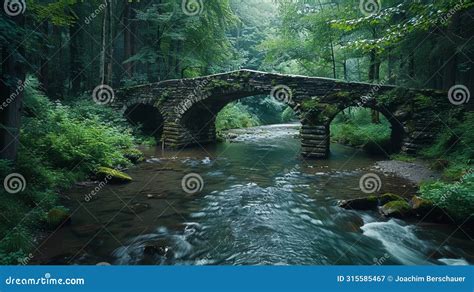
56 53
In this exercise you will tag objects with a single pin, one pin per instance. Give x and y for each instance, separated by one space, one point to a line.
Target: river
261 204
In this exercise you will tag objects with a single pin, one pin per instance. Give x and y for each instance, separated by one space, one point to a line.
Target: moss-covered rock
134 155
112 175
369 202
398 209
427 210
58 216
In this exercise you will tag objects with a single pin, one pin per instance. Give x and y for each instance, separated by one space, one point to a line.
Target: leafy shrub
235 116
457 198
354 127
59 144
454 145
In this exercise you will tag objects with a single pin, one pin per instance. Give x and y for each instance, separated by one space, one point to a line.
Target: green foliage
457 198
61 138
453 145
403 157
60 144
234 116
288 115
354 127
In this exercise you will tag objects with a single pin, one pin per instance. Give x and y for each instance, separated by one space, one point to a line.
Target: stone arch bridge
183 111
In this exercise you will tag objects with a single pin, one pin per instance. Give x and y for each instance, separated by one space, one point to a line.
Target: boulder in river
397 209
369 202
134 155
112 175
57 217
160 248
429 212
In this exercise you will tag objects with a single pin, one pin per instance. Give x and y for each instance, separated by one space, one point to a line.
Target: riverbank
416 172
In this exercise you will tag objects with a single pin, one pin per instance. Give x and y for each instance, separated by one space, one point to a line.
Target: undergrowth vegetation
354 127
453 153
253 111
60 143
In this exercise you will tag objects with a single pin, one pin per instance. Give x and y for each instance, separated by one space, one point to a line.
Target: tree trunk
104 46
110 44
12 83
75 70
450 69
127 39
44 69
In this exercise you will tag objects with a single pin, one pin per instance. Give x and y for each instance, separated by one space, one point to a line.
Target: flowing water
261 204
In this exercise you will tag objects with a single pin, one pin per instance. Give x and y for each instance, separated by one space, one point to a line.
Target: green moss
310 104
422 101
57 216
388 197
134 155
400 206
402 157
113 175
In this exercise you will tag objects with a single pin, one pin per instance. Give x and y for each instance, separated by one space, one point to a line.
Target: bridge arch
145 116
189 106
397 128
199 117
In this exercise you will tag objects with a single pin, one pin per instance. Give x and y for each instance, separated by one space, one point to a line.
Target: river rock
369 203
57 217
134 155
160 247
397 209
429 212
112 175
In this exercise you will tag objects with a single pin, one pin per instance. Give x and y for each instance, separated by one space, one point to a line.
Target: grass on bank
453 153
354 127
60 143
